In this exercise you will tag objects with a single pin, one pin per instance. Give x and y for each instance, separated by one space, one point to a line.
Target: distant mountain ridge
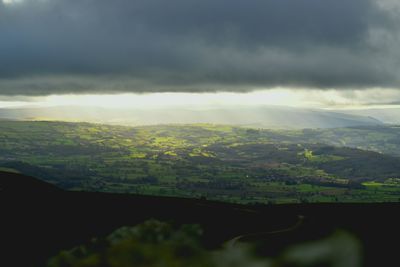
262 117
387 115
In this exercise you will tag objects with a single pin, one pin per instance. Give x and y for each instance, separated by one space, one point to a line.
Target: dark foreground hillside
38 220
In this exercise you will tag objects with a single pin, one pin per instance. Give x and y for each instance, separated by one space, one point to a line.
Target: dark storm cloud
62 46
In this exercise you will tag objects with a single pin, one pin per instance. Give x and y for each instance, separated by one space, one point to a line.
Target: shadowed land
38 220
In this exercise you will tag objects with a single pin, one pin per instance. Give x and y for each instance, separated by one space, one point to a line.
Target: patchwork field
218 162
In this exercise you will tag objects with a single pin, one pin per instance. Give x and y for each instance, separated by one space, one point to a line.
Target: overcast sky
52 47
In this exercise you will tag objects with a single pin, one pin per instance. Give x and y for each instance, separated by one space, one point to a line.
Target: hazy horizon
130 54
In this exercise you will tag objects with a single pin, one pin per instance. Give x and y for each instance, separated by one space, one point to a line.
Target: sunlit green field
226 163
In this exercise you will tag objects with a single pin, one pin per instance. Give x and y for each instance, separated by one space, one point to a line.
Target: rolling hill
226 163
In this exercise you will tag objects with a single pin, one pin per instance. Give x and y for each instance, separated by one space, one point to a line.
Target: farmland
218 162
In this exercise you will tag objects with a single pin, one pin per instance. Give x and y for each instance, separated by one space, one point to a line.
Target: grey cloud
64 46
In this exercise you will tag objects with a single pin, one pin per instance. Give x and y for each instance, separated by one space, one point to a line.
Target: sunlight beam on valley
301 98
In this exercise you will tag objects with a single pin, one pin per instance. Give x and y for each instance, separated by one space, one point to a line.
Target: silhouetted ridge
38 220
14 183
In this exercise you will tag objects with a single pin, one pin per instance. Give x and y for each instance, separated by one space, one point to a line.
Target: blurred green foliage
157 244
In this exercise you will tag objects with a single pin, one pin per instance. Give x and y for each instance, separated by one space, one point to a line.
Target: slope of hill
36 226
18 185
387 115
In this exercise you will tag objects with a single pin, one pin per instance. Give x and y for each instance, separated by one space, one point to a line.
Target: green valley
219 162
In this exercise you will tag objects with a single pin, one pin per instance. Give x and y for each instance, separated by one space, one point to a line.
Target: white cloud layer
327 99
